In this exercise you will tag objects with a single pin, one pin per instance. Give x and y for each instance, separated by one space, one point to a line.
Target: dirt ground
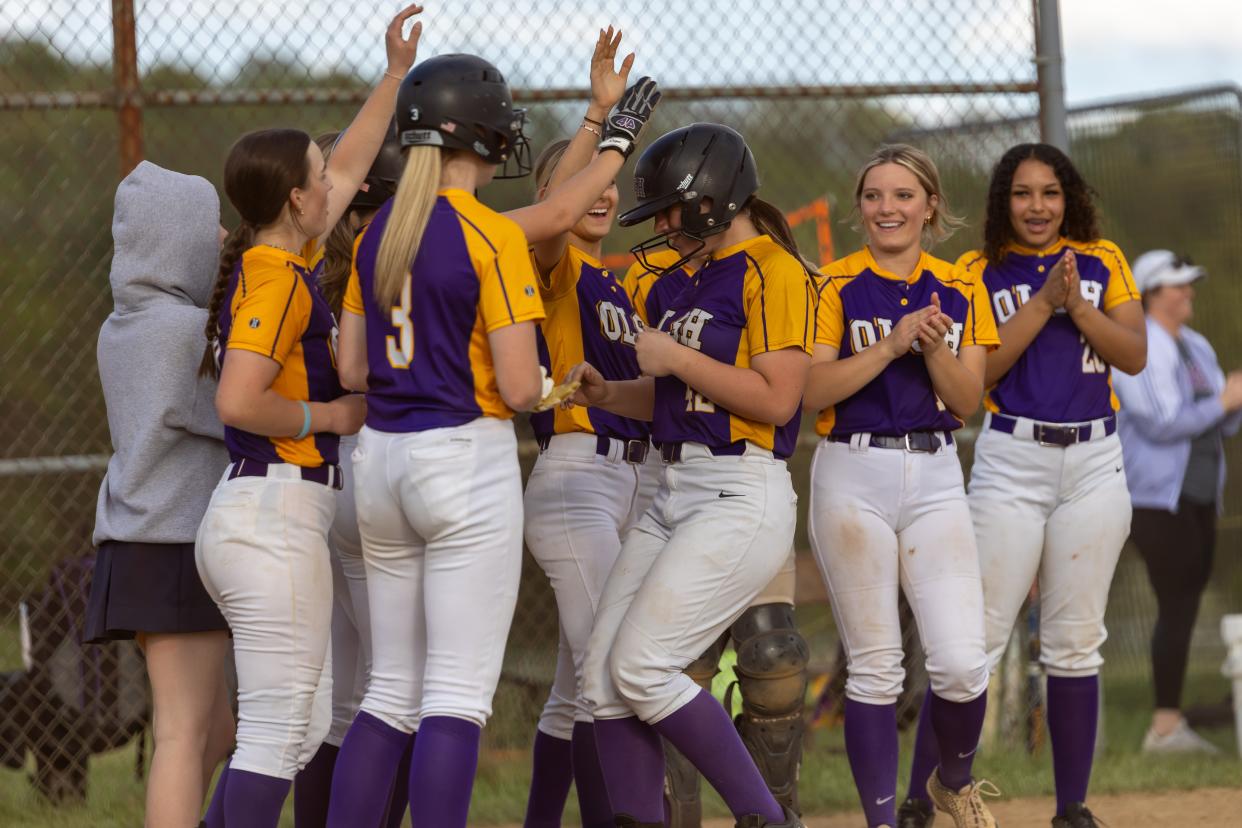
1207 807
1215 807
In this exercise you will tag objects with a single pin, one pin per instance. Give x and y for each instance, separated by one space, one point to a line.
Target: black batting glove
623 125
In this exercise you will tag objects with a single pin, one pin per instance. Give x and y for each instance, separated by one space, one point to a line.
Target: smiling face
894 207
595 225
1036 204
310 201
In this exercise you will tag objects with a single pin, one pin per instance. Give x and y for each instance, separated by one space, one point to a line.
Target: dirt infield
1207 807
1204 807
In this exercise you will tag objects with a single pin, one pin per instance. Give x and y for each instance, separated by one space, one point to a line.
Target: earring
927 219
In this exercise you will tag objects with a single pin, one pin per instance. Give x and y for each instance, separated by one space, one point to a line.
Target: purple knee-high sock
926 753
311 788
632 760
214 818
957 726
400 801
593 802
1073 715
552 772
446 756
871 746
366 768
705 735
254 800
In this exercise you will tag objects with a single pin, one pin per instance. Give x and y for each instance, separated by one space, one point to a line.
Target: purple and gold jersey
751 298
273 307
859 303
1059 378
589 318
652 293
429 357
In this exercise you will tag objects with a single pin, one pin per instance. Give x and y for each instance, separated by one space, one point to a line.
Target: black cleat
915 813
1076 815
755 821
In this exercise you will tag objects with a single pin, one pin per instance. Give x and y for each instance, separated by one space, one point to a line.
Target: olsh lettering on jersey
859 304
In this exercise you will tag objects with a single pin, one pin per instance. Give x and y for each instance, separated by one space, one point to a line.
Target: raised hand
607 83
623 126
402 50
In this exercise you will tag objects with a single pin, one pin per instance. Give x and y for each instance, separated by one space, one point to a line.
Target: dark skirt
148 588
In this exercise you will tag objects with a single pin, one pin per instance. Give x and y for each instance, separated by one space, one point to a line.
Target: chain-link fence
813 86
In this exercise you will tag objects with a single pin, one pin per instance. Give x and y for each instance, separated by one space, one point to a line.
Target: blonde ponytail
411 210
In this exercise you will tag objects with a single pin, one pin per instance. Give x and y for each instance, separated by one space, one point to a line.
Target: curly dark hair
1079 223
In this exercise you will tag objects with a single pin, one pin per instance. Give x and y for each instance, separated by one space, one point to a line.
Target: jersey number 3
401 345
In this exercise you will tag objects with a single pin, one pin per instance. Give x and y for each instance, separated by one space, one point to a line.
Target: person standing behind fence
901 342
1048 492
168 450
262 547
723 375
1174 416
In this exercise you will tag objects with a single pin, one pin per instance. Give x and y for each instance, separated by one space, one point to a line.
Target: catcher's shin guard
771 673
682 786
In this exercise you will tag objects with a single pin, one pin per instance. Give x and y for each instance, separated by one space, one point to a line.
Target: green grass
500 790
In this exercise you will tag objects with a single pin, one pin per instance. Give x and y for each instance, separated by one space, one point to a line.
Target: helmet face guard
517 155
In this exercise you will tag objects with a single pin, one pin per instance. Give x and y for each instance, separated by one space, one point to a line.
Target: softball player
1048 492
899 359
722 378
262 546
351 621
584 492
772 654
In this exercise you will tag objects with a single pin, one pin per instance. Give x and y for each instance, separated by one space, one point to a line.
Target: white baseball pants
1059 514
440 512
719 530
578 506
262 553
884 519
351 616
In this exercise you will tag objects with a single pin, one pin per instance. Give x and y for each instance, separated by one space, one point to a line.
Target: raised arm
361 142
1020 330
956 378
1118 335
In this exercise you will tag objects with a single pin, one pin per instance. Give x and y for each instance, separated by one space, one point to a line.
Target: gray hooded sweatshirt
167 442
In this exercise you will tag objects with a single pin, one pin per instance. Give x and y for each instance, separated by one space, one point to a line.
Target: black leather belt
1051 434
329 474
671 452
928 442
635 450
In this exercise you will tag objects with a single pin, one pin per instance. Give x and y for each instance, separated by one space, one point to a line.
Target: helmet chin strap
641 250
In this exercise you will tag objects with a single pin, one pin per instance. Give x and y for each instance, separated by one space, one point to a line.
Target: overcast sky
1136 47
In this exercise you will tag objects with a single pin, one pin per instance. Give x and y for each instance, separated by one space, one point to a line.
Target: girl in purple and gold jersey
262 546
1048 493
723 373
899 360
584 491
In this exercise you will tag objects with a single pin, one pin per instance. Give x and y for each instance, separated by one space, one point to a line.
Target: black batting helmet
381 181
462 102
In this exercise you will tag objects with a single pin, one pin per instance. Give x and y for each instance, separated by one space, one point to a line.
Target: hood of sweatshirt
166 243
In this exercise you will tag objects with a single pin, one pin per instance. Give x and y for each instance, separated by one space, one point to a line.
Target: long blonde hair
411 210
943 222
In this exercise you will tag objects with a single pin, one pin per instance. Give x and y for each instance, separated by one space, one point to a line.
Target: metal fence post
1050 68
128 89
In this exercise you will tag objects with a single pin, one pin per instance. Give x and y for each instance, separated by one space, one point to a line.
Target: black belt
1051 434
928 442
329 474
671 452
635 450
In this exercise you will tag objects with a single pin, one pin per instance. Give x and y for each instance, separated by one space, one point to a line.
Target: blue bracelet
305 421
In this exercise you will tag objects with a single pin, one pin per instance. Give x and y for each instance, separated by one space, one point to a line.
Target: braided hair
261 171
